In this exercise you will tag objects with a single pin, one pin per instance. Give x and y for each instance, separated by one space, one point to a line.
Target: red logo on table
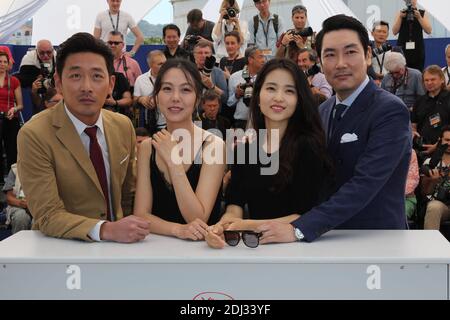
212 296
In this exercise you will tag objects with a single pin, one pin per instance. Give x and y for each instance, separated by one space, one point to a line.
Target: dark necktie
96 156
337 115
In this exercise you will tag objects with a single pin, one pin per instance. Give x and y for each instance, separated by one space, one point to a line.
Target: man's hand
239 93
147 102
110 102
276 232
167 148
37 84
288 37
207 82
127 230
299 42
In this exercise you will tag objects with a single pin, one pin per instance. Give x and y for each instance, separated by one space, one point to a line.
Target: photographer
446 69
431 112
149 116
199 29
171 36
307 61
228 21
36 71
380 46
436 184
212 77
406 83
265 28
298 38
409 25
241 83
234 61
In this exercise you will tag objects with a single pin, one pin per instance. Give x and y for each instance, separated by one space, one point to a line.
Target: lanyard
125 69
382 62
115 27
266 31
395 86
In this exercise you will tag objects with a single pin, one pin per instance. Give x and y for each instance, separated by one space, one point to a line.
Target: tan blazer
63 192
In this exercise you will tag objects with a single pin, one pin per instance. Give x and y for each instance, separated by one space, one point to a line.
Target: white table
357 264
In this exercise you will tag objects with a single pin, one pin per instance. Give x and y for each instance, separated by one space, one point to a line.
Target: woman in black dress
282 103
180 169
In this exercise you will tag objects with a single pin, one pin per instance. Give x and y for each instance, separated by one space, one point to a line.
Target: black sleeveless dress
165 204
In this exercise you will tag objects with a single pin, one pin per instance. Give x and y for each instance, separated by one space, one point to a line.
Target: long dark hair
304 133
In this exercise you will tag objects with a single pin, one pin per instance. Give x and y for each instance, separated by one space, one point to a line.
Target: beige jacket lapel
68 135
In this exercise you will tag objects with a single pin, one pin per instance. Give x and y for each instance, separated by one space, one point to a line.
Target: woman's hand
215 238
167 147
195 230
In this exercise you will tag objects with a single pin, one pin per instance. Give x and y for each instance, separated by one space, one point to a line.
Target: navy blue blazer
371 149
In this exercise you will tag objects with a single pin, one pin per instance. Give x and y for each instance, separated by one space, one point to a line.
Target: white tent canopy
59 19
14 14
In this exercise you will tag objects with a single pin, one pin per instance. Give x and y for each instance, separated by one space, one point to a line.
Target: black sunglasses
250 238
116 43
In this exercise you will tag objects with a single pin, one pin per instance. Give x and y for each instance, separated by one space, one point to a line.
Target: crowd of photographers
231 52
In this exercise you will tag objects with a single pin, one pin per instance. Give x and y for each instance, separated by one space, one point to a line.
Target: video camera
247 87
231 11
409 10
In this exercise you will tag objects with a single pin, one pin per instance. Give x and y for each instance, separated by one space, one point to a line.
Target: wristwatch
298 234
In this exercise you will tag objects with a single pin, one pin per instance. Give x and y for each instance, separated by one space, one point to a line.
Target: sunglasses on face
250 238
116 43
42 53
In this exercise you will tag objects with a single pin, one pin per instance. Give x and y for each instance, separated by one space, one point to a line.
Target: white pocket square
125 159
349 137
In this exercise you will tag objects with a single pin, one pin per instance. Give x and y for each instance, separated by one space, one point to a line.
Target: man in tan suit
77 161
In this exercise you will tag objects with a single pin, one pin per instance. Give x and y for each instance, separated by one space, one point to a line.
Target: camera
315 69
210 63
305 32
409 11
47 78
231 13
247 87
434 160
385 47
192 39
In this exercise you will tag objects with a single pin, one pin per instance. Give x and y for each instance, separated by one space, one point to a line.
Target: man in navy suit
369 140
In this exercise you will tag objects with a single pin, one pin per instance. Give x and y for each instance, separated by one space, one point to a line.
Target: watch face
298 234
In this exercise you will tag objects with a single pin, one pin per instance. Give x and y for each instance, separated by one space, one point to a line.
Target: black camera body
192 39
409 10
305 32
435 158
247 87
315 69
231 13
210 63
47 78
385 47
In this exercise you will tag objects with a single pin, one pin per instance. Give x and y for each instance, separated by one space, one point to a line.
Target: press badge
435 120
410 45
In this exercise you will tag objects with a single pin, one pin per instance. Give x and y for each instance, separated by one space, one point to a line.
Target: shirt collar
349 101
80 126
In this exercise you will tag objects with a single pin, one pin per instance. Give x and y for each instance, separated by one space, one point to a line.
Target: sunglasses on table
250 238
